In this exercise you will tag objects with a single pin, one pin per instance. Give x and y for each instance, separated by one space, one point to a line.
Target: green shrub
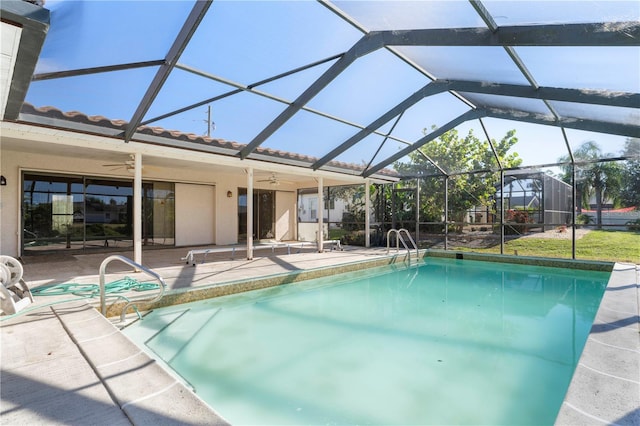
353 239
96 229
583 219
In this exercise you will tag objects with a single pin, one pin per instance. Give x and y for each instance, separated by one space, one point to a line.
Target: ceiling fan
129 165
273 180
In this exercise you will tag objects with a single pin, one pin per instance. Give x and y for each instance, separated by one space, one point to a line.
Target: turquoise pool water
445 342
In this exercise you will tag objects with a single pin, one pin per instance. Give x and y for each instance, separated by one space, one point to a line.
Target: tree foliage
599 180
455 154
630 194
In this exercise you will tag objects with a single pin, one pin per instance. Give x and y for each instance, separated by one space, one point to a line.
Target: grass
336 234
614 246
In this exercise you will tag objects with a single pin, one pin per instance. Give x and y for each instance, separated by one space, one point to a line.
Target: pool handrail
138 267
399 239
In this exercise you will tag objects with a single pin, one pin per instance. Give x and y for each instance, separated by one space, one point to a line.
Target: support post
574 186
573 210
446 212
137 208
320 215
250 213
417 210
394 209
501 211
367 213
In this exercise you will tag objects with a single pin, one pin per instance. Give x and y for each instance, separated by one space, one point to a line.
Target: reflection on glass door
74 212
264 208
109 212
158 213
53 212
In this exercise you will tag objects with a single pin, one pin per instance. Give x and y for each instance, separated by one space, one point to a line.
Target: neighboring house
334 209
614 218
308 214
545 198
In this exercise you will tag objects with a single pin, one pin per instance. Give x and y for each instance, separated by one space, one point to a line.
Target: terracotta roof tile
98 120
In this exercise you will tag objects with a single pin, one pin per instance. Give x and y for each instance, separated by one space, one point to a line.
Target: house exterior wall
308 231
333 212
196 202
204 212
41 149
286 216
195 212
612 219
9 204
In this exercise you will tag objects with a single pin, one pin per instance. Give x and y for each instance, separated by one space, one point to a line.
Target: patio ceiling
343 82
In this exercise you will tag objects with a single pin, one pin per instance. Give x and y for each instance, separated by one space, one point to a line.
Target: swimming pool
446 342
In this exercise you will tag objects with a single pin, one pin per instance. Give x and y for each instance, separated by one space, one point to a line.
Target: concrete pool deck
61 365
605 388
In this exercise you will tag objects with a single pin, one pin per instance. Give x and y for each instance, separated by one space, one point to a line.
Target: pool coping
145 390
605 387
589 265
225 288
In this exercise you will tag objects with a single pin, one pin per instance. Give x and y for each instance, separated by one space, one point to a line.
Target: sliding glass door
53 212
264 209
108 215
75 212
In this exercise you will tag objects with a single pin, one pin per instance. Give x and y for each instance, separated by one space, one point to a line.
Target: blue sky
247 41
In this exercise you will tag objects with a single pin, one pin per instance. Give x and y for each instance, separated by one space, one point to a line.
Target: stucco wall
613 220
285 215
308 231
221 216
195 214
9 204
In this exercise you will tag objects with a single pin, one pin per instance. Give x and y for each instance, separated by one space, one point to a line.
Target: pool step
176 335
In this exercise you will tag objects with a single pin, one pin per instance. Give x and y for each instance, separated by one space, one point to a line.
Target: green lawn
596 245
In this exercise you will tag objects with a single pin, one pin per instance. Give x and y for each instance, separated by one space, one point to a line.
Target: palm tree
599 179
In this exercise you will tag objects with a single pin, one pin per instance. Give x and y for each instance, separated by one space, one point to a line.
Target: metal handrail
399 238
103 267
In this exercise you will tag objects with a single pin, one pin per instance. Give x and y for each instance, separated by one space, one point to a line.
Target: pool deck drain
55 368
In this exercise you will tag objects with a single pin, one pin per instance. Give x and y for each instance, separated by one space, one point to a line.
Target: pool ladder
138 267
400 239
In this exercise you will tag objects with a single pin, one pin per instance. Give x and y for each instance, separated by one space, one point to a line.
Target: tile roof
232 148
